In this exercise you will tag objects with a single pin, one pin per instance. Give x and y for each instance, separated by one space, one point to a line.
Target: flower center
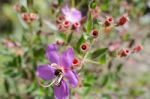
58 72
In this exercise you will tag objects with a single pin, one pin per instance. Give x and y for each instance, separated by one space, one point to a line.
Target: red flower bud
60 19
124 52
84 46
76 25
26 17
95 33
137 48
29 17
123 20
76 62
108 21
66 24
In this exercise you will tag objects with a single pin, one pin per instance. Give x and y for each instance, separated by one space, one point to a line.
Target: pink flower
71 14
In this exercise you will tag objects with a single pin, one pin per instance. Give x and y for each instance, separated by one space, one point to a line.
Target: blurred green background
17 71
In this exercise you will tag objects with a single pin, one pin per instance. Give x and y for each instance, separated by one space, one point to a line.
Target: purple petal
62 91
71 14
67 58
46 72
76 15
52 53
65 10
72 77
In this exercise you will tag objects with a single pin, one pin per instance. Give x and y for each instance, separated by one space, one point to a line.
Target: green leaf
105 80
63 36
89 25
126 37
103 59
23 9
106 96
119 67
6 84
98 52
93 5
60 1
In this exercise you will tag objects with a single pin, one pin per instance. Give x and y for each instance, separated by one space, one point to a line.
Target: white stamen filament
56 81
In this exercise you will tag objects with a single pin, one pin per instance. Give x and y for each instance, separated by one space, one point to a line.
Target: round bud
123 20
60 19
108 21
124 52
66 24
76 25
76 62
95 33
137 48
85 47
26 17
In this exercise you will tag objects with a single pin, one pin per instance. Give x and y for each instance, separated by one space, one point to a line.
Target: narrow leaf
99 52
103 59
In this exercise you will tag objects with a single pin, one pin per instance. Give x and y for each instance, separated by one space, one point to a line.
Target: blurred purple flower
60 68
72 15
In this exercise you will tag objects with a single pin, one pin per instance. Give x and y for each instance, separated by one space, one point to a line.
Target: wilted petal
67 58
72 77
52 53
46 72
62 91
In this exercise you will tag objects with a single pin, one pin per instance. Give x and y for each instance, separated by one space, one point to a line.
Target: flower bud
85 47
29 17
60 19
76 25
26 17
124 52
123 20
66 24
137 48
108 21
76 62
95 33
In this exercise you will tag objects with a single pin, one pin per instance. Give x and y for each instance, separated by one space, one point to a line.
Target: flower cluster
70 19
29 17
126 52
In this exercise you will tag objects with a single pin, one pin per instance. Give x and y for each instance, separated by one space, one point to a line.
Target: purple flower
71 14
60 68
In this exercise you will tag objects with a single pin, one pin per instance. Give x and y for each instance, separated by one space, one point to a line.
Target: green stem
73 3
86 55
